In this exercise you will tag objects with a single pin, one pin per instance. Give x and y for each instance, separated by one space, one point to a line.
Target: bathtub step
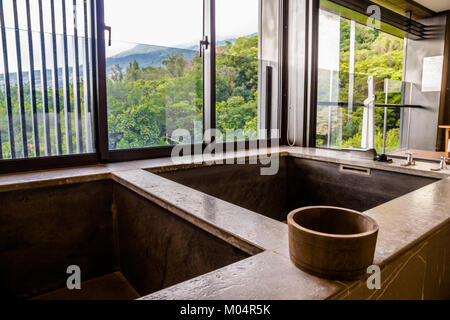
113 286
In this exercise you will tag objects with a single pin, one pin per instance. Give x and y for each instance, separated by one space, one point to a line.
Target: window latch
108 28
203 44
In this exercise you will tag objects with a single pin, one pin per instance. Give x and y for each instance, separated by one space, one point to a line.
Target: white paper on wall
432 73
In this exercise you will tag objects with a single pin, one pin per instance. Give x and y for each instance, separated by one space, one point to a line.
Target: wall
419 126
296 71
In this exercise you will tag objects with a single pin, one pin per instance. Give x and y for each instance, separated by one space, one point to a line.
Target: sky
173 23
34 15
156 22
9 17
329 41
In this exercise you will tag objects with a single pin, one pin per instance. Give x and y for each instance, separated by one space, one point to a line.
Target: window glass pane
350 53
45 86
154 72
237 27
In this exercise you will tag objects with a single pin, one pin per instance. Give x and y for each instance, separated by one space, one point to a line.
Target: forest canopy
145 105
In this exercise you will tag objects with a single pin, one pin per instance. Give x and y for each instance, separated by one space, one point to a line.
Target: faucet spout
442 165
409 160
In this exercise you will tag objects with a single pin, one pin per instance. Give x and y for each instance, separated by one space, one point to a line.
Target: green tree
145 105
176 65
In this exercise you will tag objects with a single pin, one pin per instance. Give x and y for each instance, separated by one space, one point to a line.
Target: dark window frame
103 154
209 95
313 16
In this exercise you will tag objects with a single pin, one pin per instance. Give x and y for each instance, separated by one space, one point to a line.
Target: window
349 53
159 82
165 65
154 72
237 69
46 101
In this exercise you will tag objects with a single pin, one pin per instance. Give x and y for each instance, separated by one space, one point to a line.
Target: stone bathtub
125 246
136 233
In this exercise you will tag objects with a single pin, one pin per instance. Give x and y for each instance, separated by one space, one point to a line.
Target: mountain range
145 55
150 55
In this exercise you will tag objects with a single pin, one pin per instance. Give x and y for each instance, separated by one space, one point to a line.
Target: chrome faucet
443 164
409 160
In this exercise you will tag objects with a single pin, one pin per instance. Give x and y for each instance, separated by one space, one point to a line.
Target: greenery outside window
157 81
350 52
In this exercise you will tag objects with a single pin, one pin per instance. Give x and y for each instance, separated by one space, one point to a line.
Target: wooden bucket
330 242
